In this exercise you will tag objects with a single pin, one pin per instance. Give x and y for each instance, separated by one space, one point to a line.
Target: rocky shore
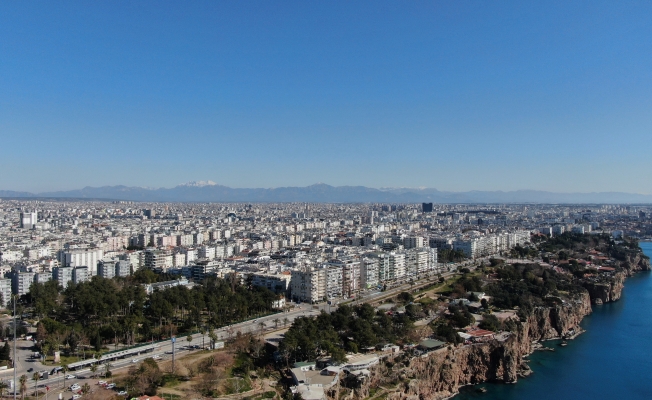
440 374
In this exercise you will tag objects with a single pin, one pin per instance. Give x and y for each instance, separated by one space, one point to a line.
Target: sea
611 360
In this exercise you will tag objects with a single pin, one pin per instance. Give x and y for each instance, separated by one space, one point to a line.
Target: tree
276 322
285 321
41 332
86 388
107 369
64 369
5 352
213 337
23 385
36 377
94 370
189 339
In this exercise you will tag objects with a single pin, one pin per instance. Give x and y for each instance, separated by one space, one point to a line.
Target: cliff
606 289
440 374
635 262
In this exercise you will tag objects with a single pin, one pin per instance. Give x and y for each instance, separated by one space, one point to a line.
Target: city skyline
458 97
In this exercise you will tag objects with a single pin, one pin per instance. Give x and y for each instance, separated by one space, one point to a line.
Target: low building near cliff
428 345
357 362
480 335
309 392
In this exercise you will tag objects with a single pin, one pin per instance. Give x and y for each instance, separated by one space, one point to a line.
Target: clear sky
454 95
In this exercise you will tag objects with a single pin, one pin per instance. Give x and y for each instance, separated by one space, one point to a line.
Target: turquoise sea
612 360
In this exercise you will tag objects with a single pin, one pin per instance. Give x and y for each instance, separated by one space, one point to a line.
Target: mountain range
207 191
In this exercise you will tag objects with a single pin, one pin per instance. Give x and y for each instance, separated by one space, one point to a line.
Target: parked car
110 386
70 376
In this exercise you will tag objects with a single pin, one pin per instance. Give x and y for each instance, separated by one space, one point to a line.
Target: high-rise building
426 207
63 275
28 219
80 274
82 258
5 292
21 282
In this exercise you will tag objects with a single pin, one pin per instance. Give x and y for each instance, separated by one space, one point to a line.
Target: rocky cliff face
441 373
636 262
607 290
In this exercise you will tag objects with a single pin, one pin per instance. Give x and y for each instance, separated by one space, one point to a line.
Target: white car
134 360
74 387
76 396
110 386
101 383
70 376
122 393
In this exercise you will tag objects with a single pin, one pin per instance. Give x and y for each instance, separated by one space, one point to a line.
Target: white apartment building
369 272
21 282
63 275
277 283
207 252
5 292
308 284
412 242
334 278
82 258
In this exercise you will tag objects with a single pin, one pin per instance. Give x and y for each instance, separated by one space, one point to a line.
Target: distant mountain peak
199 183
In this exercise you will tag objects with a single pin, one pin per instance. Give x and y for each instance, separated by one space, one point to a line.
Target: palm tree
86 388
285 321
94 370
107 369
23 385
213 336
64 369
36 377
276 321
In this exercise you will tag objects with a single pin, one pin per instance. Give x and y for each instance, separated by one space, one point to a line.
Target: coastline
442 374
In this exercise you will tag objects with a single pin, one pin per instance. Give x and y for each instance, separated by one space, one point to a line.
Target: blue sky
453 95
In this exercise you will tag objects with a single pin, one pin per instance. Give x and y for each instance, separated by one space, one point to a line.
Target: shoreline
580 331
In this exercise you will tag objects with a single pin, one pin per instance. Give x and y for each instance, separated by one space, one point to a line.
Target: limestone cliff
441 373
636 262
606 289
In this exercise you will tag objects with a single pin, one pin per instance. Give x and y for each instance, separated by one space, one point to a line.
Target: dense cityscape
61 258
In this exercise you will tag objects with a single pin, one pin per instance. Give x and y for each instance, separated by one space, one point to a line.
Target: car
134 360
156 357
110 386
101 383
168 352
70 376
76 396
30 369
122 393
74 387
